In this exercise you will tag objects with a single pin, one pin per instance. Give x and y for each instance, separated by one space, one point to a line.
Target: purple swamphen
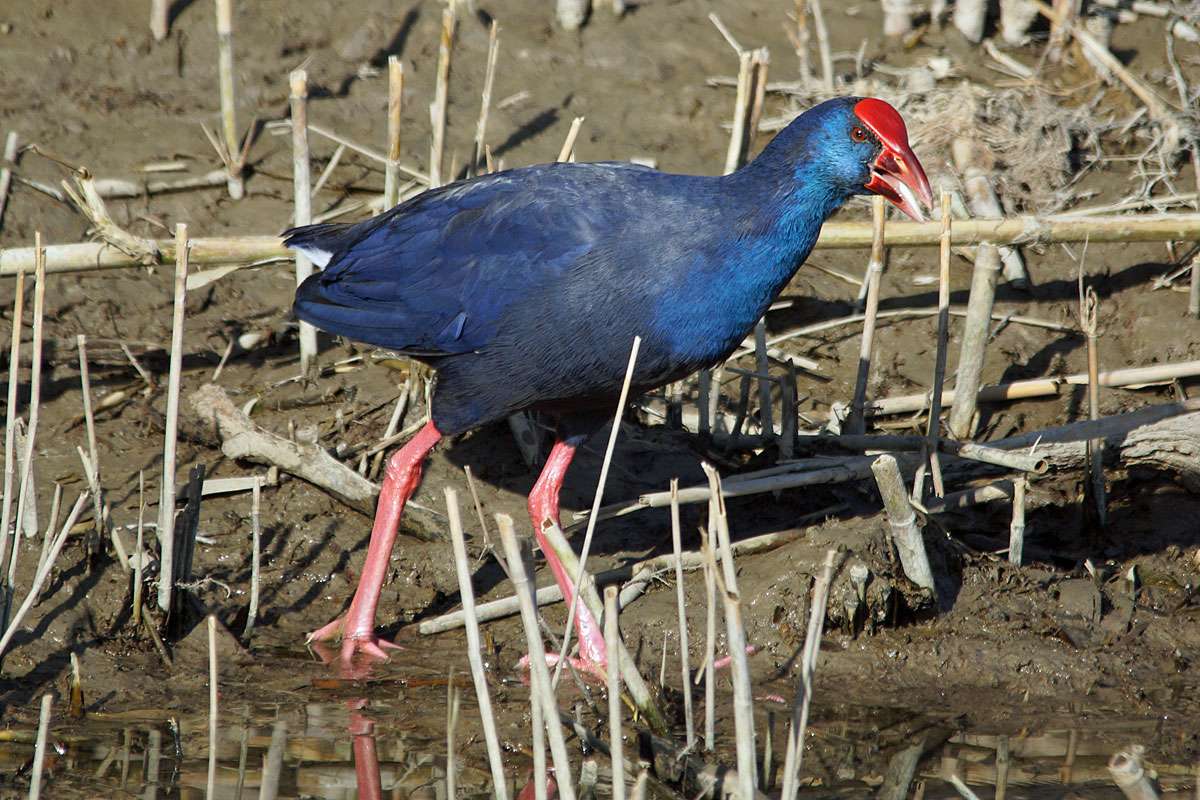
525 289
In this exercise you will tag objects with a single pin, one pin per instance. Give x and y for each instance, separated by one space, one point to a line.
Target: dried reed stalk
391 179
213 730
710 648
75 709
453 701
474 657
818 16
141 552
485 102
597 498
39 747
302 200
741 111
93 476
567 151
975 333
537 655
906 533
166 498
25 489
1016 529
437 109
160 11
10 427
233 163
1194 289
571 14
897 17
1090 311
939 369
743 697
857 422
612 641
255 554
681 609
1128 774
969 16
9 156
1015 18
794 757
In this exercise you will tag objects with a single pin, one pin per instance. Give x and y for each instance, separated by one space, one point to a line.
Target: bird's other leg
543 508
403 473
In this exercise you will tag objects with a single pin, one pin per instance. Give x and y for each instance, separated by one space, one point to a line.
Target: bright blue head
848 146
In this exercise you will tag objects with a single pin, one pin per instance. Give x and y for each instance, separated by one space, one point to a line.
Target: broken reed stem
537 656
718 525
391 179
43 572
1016 529
302 200
166 498
228 104
1091 313
794 758
540 776
24 490
612 641
597 498
822 45
1194 289
710 650
741 111
943 335
255 553
858 421
567 151
159 19
6 173
763 367
743 699
52 525
75 709
212 708
453 701
681 608
93 464
141 558
437 109
10 419
906 533
39 747
485 102
478 676
1127 772
975 331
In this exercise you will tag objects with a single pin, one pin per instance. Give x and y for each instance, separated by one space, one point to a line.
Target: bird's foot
366 643
588 668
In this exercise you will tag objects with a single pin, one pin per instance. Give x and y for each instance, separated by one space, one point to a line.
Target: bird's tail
319 242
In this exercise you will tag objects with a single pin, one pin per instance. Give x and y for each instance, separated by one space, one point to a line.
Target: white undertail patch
319 258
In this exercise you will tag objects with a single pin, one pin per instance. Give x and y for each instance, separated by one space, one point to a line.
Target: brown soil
1035 648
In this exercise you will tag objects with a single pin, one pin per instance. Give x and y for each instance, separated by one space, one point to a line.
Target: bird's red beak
896 174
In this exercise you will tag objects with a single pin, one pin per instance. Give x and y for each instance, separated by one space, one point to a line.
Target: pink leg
357 627
543 506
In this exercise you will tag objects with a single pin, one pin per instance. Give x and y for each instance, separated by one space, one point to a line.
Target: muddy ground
1011 650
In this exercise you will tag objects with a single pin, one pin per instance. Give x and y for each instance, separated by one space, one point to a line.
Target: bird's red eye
858 134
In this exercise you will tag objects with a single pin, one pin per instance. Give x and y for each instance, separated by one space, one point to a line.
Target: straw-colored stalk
906 533
485 102
75 709
969 16
741 112
1130 777
52 525
800 40
571 14
437 109
391 179
228 103
453 702
597 498
255 553
474 656
1194 289
25 489
823 48
93 477
272 770
43 572
975 332
710 651
166 499
681 609
302 199
8 156
794 756
567 151
213 730
160 18
1091 313
760 61
10 427
857 422
743 697
933 432
141 551
612 641
39 747
1015 18
537 656
897 17
1016 529
541 783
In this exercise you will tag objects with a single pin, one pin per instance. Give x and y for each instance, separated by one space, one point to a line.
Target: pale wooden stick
159 19
540 773
969 16
741 108
25 489
794 757
485 103
612 639
90 423
567 151
537 655
453 700
906 533
1090 309
228 104
1016 529
39 748
597 498
897 17
10 427
302 200
681 609
9 156
166 498
939 369
255 554
437 109
710 652
474 657
858 421
52 525
1194 289
141 551
822 45
571 13
743 698
975 332
212 708
1127 773
391 179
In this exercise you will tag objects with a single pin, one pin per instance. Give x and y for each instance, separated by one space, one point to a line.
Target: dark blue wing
434 275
